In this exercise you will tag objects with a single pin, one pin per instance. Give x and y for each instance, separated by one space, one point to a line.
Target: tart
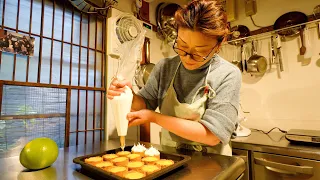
150 160
138 149
93 160
152 152
109 157
120 161
123 153
104 165
163 163
134 175
134 157
149 169
118 170
135 165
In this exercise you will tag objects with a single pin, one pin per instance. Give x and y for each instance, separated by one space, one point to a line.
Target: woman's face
195 42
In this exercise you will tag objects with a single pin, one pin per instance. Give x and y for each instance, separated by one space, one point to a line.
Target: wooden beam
17 83
96 129
31 116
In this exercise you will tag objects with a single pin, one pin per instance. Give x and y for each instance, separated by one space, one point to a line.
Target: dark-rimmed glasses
195 57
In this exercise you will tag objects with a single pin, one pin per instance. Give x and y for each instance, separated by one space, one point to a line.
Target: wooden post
67 125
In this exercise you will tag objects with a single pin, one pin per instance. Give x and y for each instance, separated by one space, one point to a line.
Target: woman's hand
117 87
141 117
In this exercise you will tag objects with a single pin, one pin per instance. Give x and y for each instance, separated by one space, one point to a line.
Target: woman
197 91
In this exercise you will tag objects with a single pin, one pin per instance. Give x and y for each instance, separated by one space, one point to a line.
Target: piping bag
127 63
121 106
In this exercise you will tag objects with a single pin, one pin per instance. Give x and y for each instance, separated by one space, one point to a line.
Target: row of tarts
136 164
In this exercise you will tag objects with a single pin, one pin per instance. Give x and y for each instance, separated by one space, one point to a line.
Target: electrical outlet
250 7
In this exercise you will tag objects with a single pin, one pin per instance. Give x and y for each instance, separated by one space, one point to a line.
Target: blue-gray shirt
221 114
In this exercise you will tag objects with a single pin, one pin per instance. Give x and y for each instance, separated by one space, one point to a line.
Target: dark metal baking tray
98 173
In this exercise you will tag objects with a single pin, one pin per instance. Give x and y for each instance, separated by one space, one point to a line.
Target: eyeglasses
195 57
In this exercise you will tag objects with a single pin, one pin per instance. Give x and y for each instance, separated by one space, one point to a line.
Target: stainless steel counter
201 166
275 143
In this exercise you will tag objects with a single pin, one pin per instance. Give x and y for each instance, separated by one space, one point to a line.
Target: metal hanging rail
274 31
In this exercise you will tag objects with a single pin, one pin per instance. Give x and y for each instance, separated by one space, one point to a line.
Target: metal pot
256 64
165 21
144 70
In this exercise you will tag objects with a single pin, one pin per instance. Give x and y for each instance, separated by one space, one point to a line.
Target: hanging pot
165 21
256 64
237 32
144 70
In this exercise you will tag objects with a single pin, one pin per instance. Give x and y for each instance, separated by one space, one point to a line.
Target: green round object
39 153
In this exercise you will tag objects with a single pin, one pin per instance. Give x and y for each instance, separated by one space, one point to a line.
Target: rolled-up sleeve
221 114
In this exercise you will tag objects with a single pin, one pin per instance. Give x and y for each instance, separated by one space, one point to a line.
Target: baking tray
98 173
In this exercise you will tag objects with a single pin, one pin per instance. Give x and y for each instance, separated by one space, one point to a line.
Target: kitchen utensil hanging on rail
144 70
237 32
316 13
256 65
279 52
291 19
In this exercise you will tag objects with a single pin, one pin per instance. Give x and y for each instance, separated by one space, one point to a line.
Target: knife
279 52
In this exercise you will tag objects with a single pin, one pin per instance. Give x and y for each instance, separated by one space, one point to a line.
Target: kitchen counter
201 166
276 143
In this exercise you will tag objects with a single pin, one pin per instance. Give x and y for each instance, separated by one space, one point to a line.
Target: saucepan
256 64
291 19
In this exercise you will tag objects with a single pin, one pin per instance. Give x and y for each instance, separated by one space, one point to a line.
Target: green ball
39 153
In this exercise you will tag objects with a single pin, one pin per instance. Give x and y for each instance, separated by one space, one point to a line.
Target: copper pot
144 70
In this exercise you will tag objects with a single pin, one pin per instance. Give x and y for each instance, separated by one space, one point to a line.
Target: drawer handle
284 168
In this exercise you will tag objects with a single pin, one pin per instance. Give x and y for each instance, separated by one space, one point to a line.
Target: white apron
194 112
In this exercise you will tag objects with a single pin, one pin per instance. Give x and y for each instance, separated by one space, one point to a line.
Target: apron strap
175 73
208 91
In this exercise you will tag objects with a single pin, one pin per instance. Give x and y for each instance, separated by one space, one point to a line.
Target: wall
293 100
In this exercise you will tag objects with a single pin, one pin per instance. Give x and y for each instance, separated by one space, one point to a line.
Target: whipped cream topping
138 148
152 152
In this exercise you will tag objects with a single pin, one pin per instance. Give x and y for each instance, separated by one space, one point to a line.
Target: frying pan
237 32
291 19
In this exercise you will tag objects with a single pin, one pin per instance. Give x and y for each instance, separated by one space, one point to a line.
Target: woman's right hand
117 87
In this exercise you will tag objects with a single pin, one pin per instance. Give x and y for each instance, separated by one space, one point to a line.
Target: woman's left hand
141 117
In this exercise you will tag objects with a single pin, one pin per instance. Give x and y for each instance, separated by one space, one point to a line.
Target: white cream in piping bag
121 106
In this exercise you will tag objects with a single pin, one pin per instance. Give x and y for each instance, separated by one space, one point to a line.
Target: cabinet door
244 155
276 167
